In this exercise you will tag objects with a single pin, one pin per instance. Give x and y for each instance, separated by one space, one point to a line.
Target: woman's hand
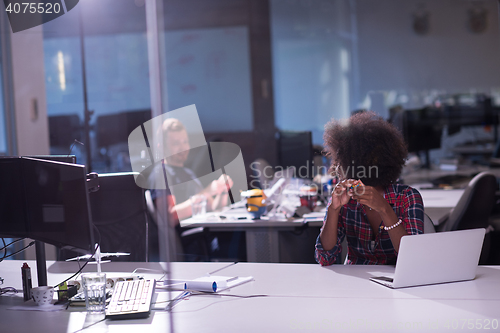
370 197
342 193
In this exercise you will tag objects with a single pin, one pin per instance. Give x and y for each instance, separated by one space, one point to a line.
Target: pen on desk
220 269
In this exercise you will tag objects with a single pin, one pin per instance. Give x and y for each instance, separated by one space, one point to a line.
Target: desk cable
5 246
429 218
151 270
191 292
14 253
224 267
8 290
206 293
85 264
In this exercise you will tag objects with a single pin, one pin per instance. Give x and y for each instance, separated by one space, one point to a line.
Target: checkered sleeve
324 257
413 218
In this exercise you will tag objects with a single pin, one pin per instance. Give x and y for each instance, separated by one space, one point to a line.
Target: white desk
441 198
262 235
438 203
426 175
301 297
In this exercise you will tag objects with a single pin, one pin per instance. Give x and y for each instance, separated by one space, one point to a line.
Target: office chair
474 209
495 158
177 244
496 152
428 225
119 214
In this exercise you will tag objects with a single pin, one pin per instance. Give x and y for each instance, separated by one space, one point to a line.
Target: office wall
331 57
399 66
204 65
448 59
312 68
29 92
30 102
210 67
117 74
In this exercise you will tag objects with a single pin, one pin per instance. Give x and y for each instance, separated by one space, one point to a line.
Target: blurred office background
253 69
264 74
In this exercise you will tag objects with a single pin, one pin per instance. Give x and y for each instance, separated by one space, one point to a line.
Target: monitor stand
427 164
41 265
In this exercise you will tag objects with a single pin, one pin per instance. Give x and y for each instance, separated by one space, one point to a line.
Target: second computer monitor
422 129
295 149
45 201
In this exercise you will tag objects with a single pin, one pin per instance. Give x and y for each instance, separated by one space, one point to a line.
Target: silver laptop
436 258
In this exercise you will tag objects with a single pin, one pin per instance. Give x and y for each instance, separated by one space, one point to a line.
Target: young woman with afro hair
367 206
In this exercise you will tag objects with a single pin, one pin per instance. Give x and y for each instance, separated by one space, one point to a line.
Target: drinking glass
94 289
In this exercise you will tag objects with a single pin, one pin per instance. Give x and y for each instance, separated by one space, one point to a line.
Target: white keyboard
131 299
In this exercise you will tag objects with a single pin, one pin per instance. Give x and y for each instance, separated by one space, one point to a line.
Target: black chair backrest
476 204
119 213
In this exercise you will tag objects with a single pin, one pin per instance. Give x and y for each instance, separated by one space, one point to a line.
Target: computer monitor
56 158
422 130
467 110
295 149
115 128
46 201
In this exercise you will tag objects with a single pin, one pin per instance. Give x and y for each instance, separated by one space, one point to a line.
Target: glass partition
331 58
96 62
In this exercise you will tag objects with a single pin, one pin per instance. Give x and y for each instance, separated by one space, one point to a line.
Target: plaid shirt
363 246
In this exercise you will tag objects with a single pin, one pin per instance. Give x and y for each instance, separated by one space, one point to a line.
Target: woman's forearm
390 218
328 235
